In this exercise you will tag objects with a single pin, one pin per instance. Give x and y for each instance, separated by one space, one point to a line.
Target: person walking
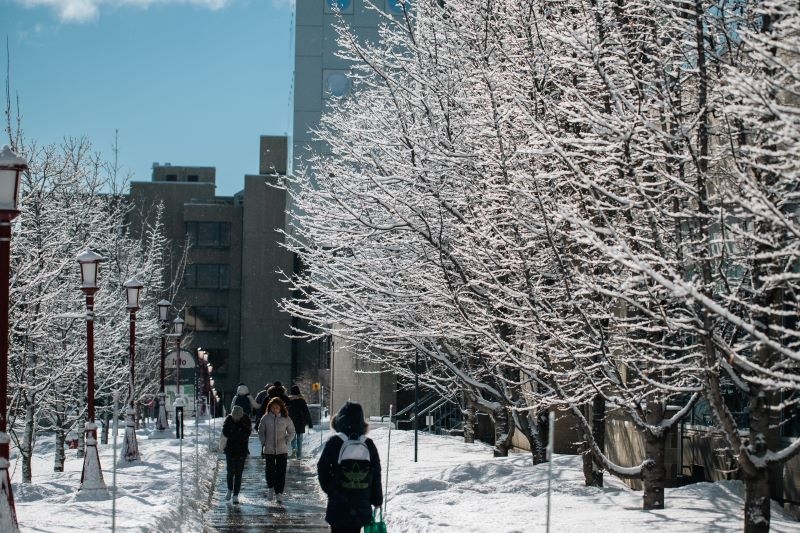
236 429
262 399
244 400
351 477
275 431
301 417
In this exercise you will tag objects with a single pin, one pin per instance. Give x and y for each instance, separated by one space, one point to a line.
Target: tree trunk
58 463
757 502
503 431
531 427
104 431
81 434
26 448
756 478
654 473
592 471
470 421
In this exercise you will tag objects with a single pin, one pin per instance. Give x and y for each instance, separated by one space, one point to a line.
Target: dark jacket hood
350 420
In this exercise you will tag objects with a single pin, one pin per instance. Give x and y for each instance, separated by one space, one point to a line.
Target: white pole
196 452
180 468
115 395
552 422
388 449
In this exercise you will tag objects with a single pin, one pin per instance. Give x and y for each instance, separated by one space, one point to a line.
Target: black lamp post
162 423
92 474
11 167
179 401
130 448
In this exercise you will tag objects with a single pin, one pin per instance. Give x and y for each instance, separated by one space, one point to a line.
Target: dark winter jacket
238 433
351 509
244 399
299 413
275 390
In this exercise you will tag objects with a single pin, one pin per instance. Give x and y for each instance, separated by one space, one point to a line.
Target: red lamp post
162 423
92 474
11 167
179 402
130 448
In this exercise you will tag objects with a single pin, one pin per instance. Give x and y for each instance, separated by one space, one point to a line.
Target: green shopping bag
376 526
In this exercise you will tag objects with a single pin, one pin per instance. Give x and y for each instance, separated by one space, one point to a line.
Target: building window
335 83
345 6
192 177
202 276
200 318
209 234
171 177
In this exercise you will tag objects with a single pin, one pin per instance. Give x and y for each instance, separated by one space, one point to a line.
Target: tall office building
231 282
320 76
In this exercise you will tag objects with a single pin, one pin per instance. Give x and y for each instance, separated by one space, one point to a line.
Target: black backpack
354 468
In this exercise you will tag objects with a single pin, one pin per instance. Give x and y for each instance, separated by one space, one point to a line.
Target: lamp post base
130 448
93 487
8 514
162 424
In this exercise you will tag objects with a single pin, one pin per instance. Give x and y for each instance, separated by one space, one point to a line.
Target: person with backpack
275 431
244 400
349 472
236 429
301 416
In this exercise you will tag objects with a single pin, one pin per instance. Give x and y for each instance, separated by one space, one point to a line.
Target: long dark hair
279 402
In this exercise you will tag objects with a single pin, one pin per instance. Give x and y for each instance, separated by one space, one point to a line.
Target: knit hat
295 390
350 420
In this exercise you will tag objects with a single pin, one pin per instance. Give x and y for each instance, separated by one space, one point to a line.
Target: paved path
303 509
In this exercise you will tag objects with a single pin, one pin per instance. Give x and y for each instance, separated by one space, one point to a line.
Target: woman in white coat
276 431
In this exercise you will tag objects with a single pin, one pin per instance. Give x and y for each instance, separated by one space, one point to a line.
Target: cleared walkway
303 509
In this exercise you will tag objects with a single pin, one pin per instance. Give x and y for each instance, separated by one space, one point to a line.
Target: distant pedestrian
262 399
275 431
349 472
301 417
236 428
244 400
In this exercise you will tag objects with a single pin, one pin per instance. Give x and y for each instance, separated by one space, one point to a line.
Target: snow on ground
453 487
148 497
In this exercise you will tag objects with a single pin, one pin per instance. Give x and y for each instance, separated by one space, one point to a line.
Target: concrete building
231 279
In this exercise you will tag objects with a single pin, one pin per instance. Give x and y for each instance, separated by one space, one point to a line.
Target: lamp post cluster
162 423
92 484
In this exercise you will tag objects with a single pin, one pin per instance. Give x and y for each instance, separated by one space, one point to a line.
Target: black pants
345 529
235 467
276 472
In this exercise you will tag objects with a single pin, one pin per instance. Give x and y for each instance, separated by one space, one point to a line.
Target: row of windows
346 6
209 234
206 276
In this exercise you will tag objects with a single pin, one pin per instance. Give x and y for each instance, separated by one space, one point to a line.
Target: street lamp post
130 448
11 167
92 482
162 424
179 402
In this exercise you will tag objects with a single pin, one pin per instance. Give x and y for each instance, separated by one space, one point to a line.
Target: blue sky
189 82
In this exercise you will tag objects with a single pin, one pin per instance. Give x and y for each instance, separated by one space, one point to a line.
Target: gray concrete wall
361 382
265 345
